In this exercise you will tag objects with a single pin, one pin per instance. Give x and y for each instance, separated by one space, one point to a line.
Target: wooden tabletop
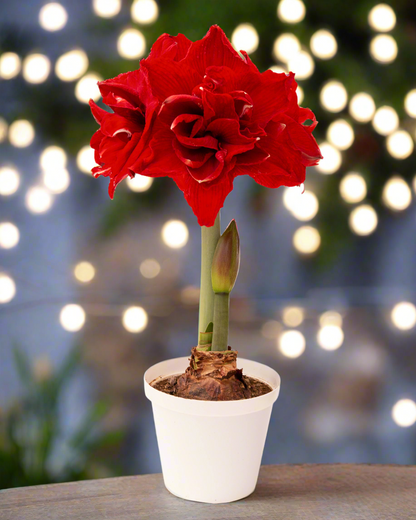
286 492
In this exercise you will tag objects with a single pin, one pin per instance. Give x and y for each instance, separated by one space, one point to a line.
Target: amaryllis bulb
226 260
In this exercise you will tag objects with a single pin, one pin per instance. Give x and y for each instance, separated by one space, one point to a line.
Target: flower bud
226 260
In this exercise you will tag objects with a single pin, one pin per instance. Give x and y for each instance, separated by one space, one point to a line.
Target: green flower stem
209 239
221 311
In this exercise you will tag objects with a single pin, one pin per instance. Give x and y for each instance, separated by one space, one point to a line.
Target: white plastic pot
211 450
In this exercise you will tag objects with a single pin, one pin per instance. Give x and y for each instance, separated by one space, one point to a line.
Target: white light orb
72 317
403 315
278 69
7 288
245 38
57 181
363 220
341 134
302 65
85 159
144 11
9 180
306 240
291 11
353 188
293 316
150 268
362 107
303 206
4 127
385 120
292 343
135 319
330 318
285 47
404 413
330 337
84 272
139 183
52 158
9 235
21 133
175 234
333 96
71 65
300 94
10 65
400 144
53 17
36 68
131 44
38 200
323 44
332 159
383 48
271 329
382 18
106 8
87 88
410 103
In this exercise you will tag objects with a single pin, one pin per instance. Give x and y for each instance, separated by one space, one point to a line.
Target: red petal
183 127
209 171
172 47
113 124
255 156
302 140
228 131
218 105
175 106
192 158
97 112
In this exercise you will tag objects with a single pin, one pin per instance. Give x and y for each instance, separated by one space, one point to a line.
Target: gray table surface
284 492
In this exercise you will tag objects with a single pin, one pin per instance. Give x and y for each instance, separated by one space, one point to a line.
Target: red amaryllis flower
219 118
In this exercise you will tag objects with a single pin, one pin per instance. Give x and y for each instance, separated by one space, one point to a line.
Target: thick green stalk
221 310
209 239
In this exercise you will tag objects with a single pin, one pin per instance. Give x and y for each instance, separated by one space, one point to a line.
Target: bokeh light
139 183
403 315
150 268
135 319
404 413
21 133
53 17
383 48
53 157
85 159
175 234
341 134
87 88
285 47
72 317
38 200
131 44
106 8
10 65
36 68
293 316
323 44
330 337
333 96
410 103
144 11
385 120
300 94
382 18
245 38
71 65
291 11
362 107
302 65
9 180
9 235
56 180
400 144
84 272
363 220
303 206
353 188
292 343
4 127
7 288
271 329
306 240
331 161
278 69
330 318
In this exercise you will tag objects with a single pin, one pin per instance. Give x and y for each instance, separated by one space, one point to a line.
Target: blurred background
93 291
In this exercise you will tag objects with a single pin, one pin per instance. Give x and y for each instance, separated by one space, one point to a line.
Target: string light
285 47
53 17
57 181
363 220
341 134
84 272
382 18
383 48
3 129
410 103
175 234
36 68
292 343
53 157
131 44
245 38
144 11
135 319
139 183
9 235
85 159
9 180
404 413
291 11
353 188
7 288
330 337
323 44
150 268
72 317
331 161
333 96
330 318
38 200
293 316
21 133
400 144
10 65
106 8
385 120
302 65
403 315
306 240
303 206
362 107
71 65
87 88
271 329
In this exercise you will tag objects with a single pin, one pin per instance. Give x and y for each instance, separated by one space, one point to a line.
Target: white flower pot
211 450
